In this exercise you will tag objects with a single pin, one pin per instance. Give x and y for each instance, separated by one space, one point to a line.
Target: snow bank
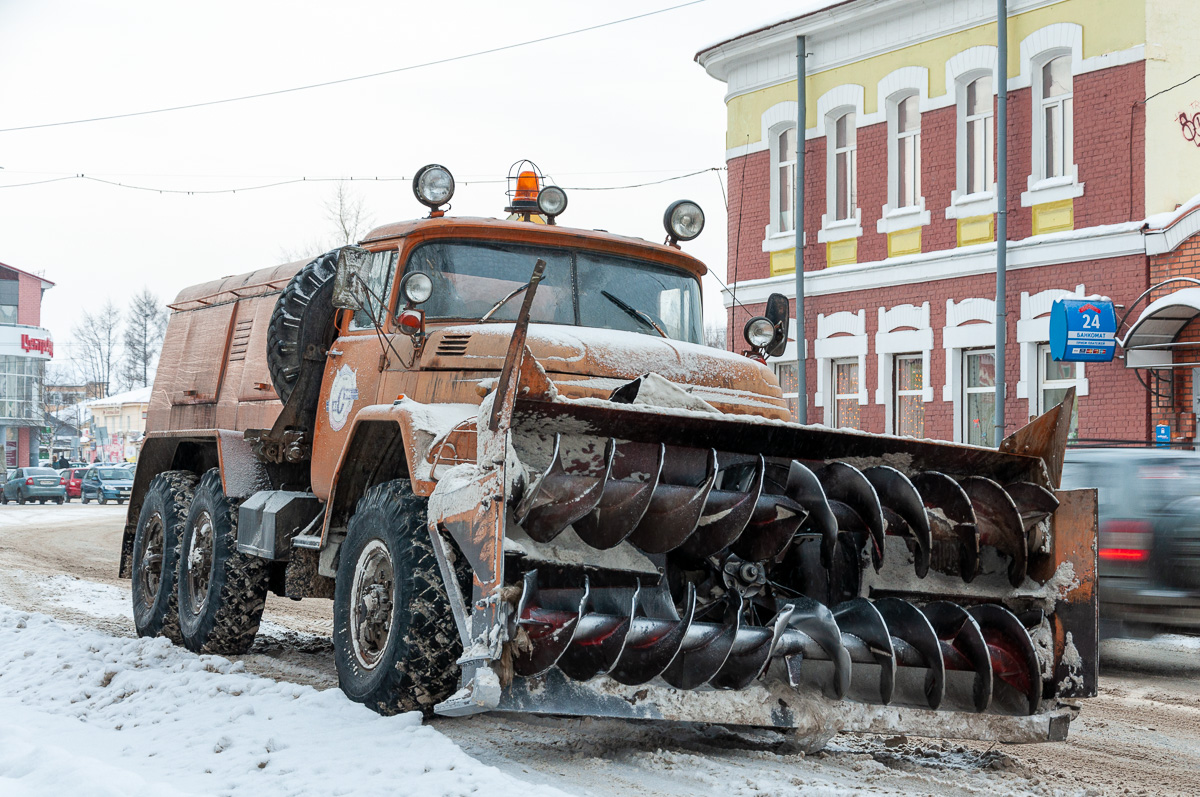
82 713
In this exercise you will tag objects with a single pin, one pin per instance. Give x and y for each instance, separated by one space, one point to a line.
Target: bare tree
97 336
345 210
349 223
714 335
145 324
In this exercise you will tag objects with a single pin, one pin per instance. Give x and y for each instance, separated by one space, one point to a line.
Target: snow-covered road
87 709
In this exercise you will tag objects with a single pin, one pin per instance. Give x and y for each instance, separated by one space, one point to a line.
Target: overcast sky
620 105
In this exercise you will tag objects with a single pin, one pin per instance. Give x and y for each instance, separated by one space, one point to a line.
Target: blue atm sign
1083 331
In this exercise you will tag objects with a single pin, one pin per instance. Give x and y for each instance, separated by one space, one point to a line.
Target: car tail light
62 480
1124 554
29 480
1125 540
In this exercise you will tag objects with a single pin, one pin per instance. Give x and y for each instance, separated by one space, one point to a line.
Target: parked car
106 483
1149 547
34 484
73 481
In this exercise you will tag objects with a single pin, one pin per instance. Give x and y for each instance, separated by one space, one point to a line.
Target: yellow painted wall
1172 55
1108 26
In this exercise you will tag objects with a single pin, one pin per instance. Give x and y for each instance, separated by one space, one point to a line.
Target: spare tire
303 319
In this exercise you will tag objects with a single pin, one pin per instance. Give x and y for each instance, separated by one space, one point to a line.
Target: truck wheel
395 642
156 553
221 592
303 316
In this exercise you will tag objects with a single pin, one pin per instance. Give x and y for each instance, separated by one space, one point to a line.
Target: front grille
453 345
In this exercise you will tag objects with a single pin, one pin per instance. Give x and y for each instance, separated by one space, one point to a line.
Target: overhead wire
296 180
338 81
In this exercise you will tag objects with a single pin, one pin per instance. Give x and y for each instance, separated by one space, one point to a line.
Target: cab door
353 368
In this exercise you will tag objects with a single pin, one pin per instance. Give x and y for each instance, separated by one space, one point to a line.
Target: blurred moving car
34 484
73 481
106 483
1149 504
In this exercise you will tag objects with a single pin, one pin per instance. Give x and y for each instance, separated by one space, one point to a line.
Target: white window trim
835 396
775 120
964 390
1033 329
898 394
1052 384
894 87
839 337
903 329
961 70
1037 49
970 324
830 106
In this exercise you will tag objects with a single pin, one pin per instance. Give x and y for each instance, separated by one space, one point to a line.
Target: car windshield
579 288
113 473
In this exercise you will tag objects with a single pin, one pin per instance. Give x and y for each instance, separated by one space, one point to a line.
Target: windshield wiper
634 313
502 302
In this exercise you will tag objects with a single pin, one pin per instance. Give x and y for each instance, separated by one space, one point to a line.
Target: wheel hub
199 562
371 604
150 565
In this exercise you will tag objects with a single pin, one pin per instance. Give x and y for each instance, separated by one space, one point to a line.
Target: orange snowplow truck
501 449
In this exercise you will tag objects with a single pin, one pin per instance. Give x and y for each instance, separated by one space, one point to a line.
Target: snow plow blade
657 563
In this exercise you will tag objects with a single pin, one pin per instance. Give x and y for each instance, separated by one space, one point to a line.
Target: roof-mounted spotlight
433 186
684 220
551 202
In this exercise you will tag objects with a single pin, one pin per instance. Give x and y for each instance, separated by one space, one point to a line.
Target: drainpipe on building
1001 208
801 143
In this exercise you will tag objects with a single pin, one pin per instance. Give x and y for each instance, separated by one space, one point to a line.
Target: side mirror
352 265
779 313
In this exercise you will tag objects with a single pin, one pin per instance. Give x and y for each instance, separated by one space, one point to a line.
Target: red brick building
901 201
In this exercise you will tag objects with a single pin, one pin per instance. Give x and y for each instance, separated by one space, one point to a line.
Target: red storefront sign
41 345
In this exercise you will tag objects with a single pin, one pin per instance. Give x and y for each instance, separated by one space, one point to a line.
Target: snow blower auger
643 561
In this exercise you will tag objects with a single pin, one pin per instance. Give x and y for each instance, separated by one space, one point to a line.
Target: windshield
113 473
579 288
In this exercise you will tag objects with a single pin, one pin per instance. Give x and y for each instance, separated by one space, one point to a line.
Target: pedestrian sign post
1083 331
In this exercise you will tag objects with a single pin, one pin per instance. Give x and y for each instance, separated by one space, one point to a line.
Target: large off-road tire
303 317
395 642
221 592
156 554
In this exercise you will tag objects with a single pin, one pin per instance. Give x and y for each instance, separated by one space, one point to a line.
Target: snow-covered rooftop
140 395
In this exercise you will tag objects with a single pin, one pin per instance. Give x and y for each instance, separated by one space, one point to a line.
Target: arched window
978 117
907 163
843 178
1057 93
786 181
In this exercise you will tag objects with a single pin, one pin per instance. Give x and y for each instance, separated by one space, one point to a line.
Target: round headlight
684 220
433 185
416 288
759 332
552 200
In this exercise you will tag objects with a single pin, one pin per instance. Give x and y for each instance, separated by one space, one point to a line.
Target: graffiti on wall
1190 124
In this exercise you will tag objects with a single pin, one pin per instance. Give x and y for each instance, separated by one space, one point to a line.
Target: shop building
901 201
116 426
25 348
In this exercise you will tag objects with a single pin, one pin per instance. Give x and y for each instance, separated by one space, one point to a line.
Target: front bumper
1143 602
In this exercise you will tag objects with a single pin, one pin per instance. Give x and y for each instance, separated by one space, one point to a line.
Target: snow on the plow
83 713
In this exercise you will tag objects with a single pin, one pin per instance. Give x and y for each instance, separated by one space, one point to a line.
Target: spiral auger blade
1013 655
805 488
904 511
861 619
963 647
549 624
1034 503
557 498
951 518
855 504
1000 524
698 665
916 641
624 500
